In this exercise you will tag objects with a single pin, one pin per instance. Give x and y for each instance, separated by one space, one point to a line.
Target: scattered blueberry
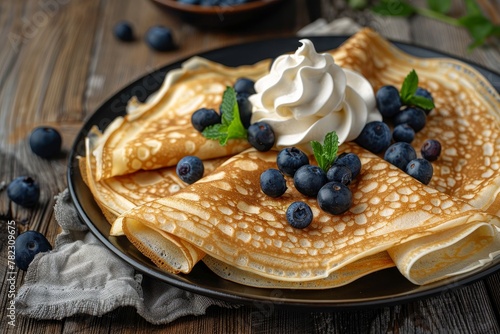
388 101
299 214
403 132
339 173
375 137
334 198
204 117
431 149
352 162
272 183
309 179
420 169
160 38
399 154
24 191
245 108
424 93
45 142
28 244
244 86
261 136
290 159
190 169
123 31
414 117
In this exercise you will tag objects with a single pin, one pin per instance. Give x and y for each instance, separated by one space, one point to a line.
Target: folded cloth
81 276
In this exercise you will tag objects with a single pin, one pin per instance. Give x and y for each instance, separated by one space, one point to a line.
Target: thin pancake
250 231
159 133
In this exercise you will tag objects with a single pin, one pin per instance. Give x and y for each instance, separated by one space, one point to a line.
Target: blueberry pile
330 188
406 121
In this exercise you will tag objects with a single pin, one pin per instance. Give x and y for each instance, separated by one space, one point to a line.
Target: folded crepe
118 194
226 216
158 133
429 232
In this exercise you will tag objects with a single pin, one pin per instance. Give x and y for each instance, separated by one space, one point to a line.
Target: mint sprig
479 27
326 153
408 90
230 126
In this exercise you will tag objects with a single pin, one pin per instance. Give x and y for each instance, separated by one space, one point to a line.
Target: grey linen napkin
82 276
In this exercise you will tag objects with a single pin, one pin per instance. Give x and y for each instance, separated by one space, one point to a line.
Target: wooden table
60 61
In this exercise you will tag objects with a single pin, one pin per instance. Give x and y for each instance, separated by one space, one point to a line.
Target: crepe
118 194
227 216
429 232
158 133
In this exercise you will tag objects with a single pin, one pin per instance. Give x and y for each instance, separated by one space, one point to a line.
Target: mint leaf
326 153
409 87
394 8
440 6
408 90
230 126
421 102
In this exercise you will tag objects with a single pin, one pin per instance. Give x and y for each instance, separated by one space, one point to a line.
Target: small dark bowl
219 16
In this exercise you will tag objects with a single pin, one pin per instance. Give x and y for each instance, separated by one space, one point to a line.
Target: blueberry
309 179
290 159
190 169
375 137
27 245
45 142
204 117
414 117
299 214
160 38
334 198
403 132
244 86
424 93
399 154
388 101
272 183
189 2
351 161
420 169
124 31
24 191
245 108
261 136
431 149
339 173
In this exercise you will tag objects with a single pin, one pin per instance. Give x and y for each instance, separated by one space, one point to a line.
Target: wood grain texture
60 61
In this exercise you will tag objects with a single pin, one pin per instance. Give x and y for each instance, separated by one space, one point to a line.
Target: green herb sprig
408 90
230 126
480 28
326 153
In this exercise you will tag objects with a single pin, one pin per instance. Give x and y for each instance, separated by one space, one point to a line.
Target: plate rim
241 297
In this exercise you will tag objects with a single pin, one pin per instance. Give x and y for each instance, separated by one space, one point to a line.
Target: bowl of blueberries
218 13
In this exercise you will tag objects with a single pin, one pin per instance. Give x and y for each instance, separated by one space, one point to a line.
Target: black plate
382 288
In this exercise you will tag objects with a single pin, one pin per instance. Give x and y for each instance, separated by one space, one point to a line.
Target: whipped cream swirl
306 95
